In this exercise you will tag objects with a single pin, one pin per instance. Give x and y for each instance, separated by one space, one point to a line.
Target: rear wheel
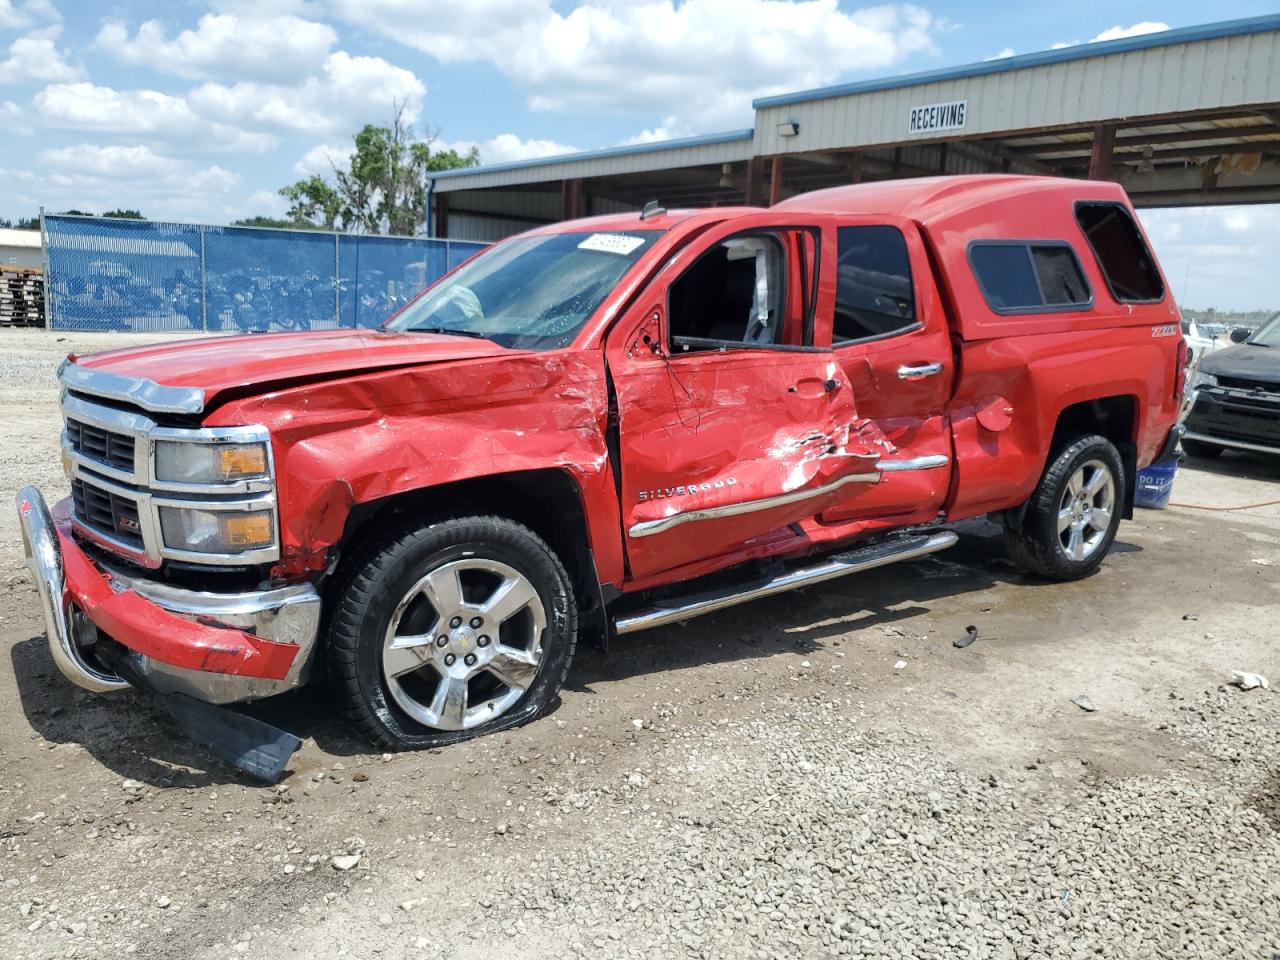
461 628
1201 449
1072 517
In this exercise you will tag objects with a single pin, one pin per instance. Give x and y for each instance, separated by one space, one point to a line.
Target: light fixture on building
726 175
1145 165
788 128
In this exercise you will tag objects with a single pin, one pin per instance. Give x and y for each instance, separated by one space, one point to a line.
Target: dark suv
1237 397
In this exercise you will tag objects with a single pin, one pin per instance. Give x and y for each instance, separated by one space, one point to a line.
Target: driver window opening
734 295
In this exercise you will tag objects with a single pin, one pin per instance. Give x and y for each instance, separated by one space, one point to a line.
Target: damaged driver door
731 425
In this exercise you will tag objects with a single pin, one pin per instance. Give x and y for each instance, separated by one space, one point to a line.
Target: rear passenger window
1018 277
874 297
1122 255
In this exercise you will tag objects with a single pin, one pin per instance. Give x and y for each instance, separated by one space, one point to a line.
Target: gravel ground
767 782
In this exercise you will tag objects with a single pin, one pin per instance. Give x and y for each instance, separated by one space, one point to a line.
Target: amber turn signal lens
246 529
242 461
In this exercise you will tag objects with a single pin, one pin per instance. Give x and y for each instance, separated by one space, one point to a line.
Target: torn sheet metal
144 627
356 440
720 448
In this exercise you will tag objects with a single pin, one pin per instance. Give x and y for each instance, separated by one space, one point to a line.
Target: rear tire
1072 516
1201 449
460 628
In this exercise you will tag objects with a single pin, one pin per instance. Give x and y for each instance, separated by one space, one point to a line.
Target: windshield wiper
453 332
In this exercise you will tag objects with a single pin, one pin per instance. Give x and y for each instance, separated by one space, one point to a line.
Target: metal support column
47 280
1101 157
775 181
204 286
337 284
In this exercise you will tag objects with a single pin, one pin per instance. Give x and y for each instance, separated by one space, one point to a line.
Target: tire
1039 543
1201 449
402 595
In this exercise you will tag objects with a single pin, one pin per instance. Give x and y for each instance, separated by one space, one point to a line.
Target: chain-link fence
151 276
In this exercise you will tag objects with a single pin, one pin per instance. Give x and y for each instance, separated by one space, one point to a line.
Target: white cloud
321 159
1003 54
670 129
702 60
92 108
267 203
1137 30
36 58
1221 257
1117 33
348 92
90 176
27 13
508 148
14 119
108 161
254 48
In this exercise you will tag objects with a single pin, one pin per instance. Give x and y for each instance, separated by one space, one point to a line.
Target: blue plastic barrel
1155 484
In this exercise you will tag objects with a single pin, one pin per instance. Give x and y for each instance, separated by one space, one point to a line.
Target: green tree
124 215
276 222
381 188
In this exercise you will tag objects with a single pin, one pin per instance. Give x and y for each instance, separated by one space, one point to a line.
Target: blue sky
202 110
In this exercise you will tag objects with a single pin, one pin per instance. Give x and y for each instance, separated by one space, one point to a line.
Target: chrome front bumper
289 615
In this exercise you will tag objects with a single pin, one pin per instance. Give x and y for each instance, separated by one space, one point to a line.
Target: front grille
1236 383
104 446
107 513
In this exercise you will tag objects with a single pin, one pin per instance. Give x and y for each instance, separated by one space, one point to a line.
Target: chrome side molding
146 394
840 565
917 463
648 528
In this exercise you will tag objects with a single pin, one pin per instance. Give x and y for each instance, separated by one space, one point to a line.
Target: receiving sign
933 117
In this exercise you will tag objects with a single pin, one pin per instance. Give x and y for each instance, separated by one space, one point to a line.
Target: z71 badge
662 493
1168 330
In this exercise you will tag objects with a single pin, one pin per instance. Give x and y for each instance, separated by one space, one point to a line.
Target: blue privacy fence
151 276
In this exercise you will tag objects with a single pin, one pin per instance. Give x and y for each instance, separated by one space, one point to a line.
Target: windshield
532 293
1267 335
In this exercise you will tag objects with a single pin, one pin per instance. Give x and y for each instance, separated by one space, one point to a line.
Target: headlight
183 462
216 531
1204 380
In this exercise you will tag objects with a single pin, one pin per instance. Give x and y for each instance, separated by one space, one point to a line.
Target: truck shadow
772 626
132 736
1236 463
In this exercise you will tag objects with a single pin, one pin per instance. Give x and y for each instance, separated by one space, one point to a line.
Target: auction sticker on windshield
620 243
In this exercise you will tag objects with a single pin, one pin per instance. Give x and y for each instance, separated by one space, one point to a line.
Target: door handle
919 372
812 387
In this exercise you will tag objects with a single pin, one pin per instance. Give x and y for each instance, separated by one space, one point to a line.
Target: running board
693 605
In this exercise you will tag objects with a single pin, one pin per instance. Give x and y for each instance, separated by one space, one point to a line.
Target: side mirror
1240 334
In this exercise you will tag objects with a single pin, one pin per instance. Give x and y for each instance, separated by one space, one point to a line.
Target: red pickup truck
568 435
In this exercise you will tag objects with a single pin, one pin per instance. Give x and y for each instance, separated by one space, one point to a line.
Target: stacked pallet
21 297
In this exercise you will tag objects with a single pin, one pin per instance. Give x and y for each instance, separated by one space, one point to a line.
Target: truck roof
933 201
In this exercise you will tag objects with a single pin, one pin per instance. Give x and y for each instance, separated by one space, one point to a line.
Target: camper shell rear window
1123 257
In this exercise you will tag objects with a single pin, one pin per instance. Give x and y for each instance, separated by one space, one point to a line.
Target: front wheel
1072 517
463 627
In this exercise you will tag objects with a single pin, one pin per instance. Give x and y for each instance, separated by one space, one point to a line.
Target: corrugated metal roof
1203 70
19 238
1082 51
663 154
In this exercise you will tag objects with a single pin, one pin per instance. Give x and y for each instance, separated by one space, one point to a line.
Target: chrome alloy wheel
1084 513
464 644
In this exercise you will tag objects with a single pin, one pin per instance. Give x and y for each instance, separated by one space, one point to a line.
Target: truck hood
1245 362
259 361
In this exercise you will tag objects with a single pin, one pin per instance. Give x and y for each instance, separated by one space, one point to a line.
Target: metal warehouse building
1181 118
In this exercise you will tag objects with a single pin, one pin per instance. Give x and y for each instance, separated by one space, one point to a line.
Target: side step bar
675 609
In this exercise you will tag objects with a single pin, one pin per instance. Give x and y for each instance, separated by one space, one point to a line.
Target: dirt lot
816 774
